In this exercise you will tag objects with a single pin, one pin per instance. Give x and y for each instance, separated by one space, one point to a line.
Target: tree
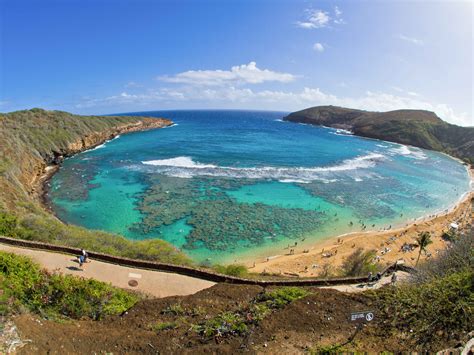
423 240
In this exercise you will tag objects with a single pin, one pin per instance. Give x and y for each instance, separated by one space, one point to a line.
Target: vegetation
359 263
232 270
282 296
174 309
414 127
24 284
32 138
438 301
423 240
48 229
160 326
238 322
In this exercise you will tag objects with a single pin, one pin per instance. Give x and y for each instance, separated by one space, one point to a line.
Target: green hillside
413 127
31 140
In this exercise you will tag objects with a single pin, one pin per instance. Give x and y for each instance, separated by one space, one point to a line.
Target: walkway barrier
199 273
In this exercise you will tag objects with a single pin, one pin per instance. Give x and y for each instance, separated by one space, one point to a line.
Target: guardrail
194 272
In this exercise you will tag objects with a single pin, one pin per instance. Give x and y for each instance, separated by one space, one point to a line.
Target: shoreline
296 264
333 251
42 186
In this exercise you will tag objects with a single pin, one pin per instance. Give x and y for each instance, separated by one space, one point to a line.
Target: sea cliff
418 128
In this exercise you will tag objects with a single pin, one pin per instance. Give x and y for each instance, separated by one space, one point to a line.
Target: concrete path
385 280
155 283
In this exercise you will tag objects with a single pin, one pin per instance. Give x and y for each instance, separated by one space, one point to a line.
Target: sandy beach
330 254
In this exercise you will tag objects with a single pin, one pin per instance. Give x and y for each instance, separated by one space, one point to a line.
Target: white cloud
338 20
240 74
315 19
412 40
245 98
319 19
318 47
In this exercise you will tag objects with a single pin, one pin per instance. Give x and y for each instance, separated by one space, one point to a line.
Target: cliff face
33 139
413 127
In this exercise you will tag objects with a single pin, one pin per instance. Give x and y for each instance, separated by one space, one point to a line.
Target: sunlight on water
227 185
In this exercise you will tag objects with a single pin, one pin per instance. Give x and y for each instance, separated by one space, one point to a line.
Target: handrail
194 271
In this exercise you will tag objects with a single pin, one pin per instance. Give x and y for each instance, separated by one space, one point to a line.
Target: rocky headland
418 128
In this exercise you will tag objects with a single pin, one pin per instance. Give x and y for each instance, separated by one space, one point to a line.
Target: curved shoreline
387 244
275 261
41 185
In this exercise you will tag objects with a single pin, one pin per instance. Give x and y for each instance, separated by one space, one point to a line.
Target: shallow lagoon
227 185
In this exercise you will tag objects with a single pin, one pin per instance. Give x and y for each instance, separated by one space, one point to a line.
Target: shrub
238 322
439 299
283 296
359 263
8 224
174 309
226 323
232 270
160 326
459 256
443 306
52 294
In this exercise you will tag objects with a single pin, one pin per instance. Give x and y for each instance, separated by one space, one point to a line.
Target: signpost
362 317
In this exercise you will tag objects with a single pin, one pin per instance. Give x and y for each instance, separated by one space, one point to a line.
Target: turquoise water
225 186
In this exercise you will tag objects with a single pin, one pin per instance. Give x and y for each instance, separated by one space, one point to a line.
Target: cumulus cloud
239 74
412 40
318 47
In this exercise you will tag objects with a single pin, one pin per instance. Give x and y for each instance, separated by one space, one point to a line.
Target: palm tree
423 240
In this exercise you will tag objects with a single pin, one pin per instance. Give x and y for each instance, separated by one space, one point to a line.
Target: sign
362 317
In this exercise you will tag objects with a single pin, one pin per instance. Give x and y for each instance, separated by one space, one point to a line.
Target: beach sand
332 252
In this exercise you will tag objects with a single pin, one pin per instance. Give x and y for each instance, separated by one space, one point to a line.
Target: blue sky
98 57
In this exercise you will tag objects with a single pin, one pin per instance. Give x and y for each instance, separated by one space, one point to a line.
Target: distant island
418 128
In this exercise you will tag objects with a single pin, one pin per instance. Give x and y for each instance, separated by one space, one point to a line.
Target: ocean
230 186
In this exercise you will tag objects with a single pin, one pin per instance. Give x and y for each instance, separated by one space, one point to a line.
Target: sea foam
185 167
410 152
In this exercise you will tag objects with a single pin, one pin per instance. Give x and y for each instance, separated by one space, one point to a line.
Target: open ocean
227 186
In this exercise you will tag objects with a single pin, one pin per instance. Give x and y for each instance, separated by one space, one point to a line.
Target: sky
111 56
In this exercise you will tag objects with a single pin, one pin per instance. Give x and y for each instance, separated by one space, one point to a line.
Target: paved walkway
385 280
155 283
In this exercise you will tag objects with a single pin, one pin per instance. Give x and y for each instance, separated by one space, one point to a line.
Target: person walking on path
394 279
83 257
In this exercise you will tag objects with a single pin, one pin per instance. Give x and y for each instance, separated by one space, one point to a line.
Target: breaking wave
411 152
185 167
